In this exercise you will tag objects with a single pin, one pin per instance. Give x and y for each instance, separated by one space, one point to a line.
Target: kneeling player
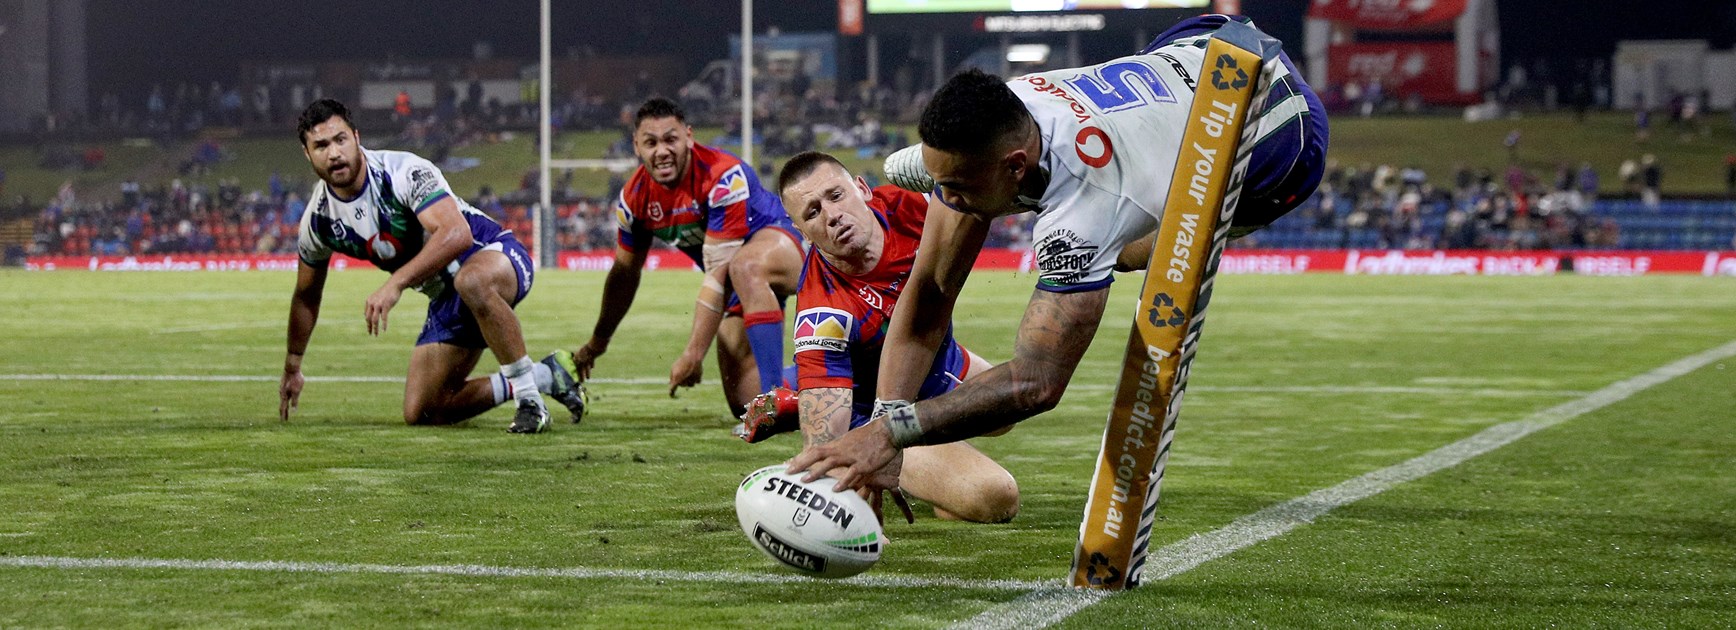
864 243
395 210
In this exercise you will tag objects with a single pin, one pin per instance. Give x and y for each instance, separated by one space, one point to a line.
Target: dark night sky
134 43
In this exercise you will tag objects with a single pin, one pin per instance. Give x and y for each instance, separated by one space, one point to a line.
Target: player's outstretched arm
1049 347
619 289
1053 337
303 313
950 243
447 236
707 314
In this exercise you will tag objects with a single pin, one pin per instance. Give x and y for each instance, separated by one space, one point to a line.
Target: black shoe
566 389
532 417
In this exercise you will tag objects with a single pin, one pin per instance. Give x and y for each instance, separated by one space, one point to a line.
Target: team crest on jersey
730 188
823 329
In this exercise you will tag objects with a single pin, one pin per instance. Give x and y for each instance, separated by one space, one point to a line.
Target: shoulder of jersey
726 175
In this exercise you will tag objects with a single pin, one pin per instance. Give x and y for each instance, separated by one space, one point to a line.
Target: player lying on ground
1091 150
395 210
863 244
711 205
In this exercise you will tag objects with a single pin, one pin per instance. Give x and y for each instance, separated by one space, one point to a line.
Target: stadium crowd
1368 206
1365 206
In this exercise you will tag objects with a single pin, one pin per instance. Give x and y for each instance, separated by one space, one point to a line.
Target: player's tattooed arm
825 413
1053 336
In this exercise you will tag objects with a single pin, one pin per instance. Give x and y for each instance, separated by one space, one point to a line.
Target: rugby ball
807 526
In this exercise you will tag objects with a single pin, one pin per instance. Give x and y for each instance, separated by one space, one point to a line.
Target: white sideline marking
475 570
1044 607
1300 389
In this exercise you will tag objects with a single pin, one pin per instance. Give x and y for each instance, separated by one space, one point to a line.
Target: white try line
1356 390
1044 607
1299 389
261 378
476 570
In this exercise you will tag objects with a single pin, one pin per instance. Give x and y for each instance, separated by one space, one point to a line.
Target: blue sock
765 334
790 377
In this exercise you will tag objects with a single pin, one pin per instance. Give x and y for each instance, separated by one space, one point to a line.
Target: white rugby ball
807 526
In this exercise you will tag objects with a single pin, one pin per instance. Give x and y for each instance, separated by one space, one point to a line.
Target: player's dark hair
971 113
803 164
659 107
318 112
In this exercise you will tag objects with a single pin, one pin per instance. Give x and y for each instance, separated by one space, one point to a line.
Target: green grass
1620 517
1436 144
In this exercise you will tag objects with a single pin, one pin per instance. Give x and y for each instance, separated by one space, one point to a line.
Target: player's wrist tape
901 420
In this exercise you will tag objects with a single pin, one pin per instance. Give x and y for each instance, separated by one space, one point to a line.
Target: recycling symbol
1219 81
1157 318
1110 574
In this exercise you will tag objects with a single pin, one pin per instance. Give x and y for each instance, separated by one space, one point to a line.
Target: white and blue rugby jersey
1111 135
380 224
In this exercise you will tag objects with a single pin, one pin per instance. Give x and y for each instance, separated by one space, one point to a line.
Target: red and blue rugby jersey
720 196
841 319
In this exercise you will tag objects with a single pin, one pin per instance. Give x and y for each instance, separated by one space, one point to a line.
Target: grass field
141 500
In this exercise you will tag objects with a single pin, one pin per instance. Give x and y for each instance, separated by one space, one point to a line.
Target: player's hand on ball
289 393
685 372
860 459
379 304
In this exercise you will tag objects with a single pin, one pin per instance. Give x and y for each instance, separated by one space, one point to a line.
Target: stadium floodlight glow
1028 53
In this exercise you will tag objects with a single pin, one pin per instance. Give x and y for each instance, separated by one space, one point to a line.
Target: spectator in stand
1651 179
293 207
401 107
1587 182
1729 175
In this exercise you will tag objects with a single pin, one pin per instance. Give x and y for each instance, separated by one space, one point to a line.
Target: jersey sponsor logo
821 328
1180 70
1043 85
423 184
1063 258
383 246
1093 147
731 188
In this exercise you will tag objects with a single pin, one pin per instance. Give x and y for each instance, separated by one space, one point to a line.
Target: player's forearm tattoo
825 413
1056 331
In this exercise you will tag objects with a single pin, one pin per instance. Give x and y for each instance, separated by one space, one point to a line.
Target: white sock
502 388
545 379
521 380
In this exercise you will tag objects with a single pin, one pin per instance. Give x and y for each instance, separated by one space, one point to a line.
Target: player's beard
351 169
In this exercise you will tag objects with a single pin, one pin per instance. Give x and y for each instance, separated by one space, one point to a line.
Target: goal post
1115 533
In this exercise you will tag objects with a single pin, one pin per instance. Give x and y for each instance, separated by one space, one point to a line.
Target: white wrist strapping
900 418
